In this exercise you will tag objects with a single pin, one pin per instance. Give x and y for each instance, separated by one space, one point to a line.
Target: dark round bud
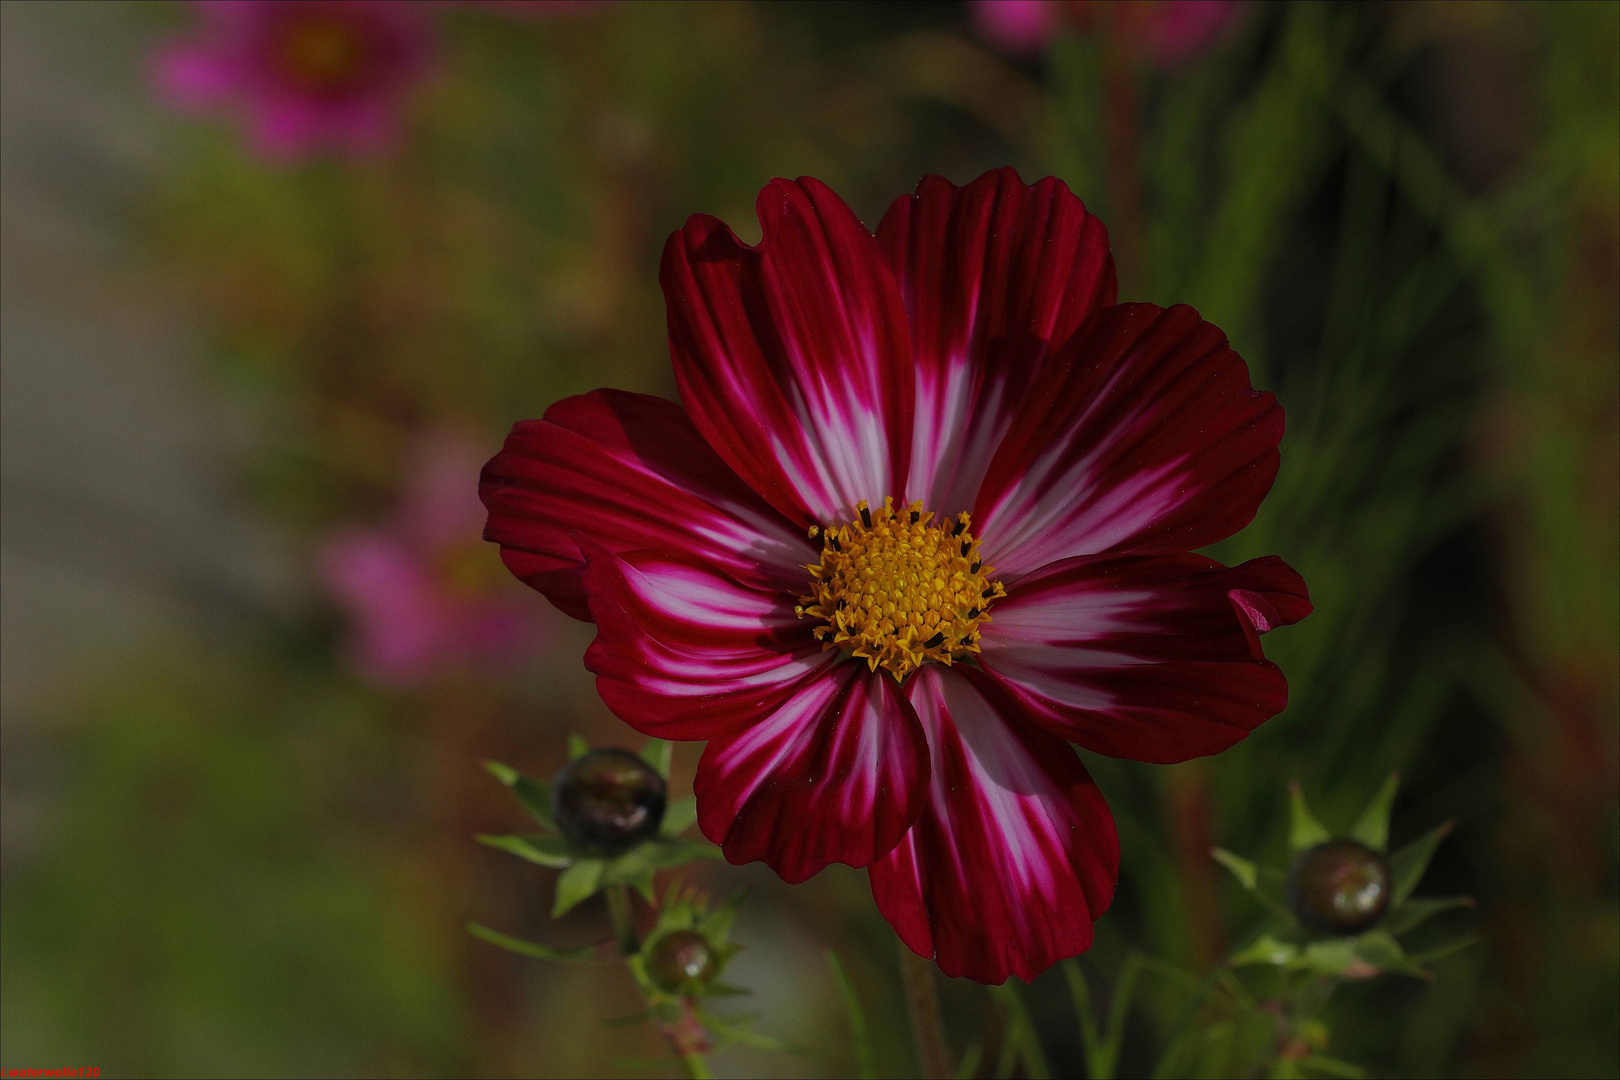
608 801
1339 887
680 960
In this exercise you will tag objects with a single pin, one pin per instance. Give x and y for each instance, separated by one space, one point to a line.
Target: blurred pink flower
1019 26
301 76
1178 31
421 594
1169 32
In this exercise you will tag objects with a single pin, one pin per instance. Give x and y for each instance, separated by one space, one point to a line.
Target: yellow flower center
899 590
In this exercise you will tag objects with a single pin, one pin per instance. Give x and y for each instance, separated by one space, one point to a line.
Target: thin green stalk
696 1067
624 923
927 1024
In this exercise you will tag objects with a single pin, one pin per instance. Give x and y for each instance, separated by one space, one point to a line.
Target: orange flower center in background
898 590
324 53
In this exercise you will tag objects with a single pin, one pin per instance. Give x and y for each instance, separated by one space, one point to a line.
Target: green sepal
1407 865
716 925
1304 831
577 883
1245 871
577 747
1266 949
1440 952
1372 827
1380 949
733 1031
550 851
659 754
1414 913
1330 1066
530 948
678 816
1332 956
534 795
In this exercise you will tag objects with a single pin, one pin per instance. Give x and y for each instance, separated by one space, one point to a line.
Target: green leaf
1245 871
864 1067
664 853
970 1061
1333 1066
716 925
1407 865
529 948
659 753
1372 827
1331 957
1021 1031
729 1031
1080 994
535 796
679 816
577 883
1440 952
1380 949
577 748
545 850
1266 949
1414 913
1304 831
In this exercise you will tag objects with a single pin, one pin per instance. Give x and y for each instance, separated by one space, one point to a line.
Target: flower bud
680 961
608 801
1339 887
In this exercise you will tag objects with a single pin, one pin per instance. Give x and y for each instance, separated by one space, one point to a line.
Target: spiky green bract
1286 942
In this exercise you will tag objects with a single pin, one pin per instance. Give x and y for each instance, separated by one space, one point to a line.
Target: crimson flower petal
1015 854
1153 658
683 651
1143 436
627 471
994 276
836 774
793 356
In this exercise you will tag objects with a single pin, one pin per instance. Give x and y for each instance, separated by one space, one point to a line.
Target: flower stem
927 1025
696 1067
624 924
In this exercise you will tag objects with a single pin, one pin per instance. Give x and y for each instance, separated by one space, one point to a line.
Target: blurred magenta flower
302 76
1020 26
1168 32
421 594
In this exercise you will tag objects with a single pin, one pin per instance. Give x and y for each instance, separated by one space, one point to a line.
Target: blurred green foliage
257 866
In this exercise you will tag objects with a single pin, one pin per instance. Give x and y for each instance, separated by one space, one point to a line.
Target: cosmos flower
1170 32
924 520
302 76
418 600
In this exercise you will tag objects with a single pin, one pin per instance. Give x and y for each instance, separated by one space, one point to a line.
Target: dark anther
840 603
967 546
960 525
973 613
988 593
866 517
916 516
937 639
833 540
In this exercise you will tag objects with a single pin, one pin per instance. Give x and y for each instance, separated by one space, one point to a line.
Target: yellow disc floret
898 590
